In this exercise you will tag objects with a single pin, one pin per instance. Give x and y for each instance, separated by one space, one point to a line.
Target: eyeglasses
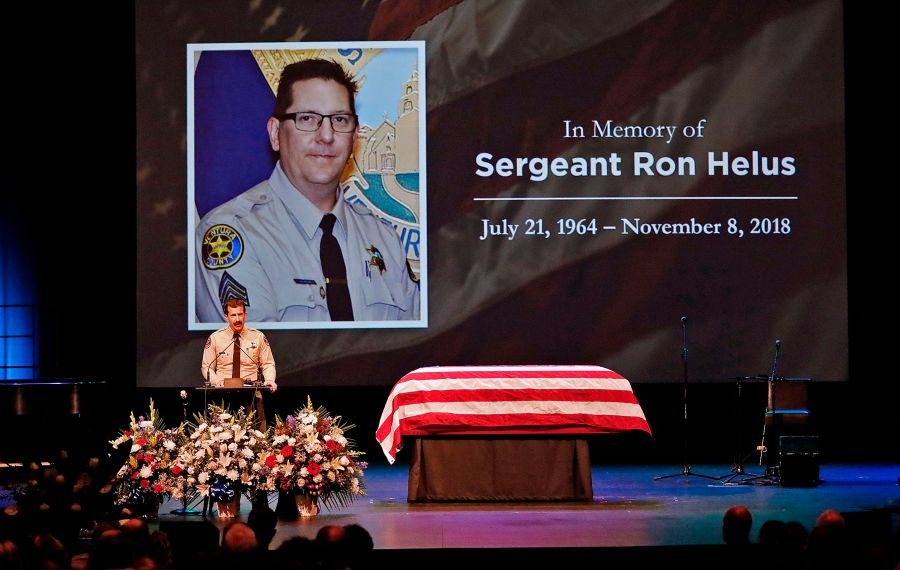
310 122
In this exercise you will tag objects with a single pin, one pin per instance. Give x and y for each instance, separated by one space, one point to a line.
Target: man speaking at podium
238 351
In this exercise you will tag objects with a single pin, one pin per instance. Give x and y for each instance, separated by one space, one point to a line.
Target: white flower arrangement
224 452
144 478
311 456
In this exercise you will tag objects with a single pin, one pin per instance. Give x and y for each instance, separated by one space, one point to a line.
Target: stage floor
629 509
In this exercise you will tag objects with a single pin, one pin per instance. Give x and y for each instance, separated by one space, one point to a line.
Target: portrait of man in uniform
332 236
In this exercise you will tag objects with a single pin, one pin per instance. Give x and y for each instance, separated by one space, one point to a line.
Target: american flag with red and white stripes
464 400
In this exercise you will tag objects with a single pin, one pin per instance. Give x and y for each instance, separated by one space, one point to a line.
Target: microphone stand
685 468
208 383
184 401
186 509
258 366
258 497
738 469
256 402
211 362
771 476
770 403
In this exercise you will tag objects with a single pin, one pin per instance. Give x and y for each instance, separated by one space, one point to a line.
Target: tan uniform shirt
255 353
278 264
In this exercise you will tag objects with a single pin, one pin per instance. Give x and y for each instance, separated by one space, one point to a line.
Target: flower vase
229 509
151 509
307 505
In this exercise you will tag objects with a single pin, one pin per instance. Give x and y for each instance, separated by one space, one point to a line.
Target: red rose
139 456
331 445
145 484
142 441
177 470
270 461
135 475
127 433
287 451
313 468
157 488
148 458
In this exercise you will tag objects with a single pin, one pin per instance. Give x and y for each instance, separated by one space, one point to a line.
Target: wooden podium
237 394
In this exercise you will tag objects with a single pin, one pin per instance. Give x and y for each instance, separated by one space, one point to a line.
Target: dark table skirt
499 469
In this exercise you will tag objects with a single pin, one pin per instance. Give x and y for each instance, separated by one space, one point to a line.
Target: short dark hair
263 521
233 303
312 69
357 539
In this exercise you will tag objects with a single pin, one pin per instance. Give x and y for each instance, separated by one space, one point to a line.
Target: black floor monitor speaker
799 460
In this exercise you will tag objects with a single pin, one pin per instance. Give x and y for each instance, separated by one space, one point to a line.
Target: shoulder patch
222 247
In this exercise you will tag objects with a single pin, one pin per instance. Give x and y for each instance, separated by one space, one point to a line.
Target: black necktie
236 358
336 291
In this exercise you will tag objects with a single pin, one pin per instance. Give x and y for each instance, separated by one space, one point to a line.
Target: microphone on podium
259 374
